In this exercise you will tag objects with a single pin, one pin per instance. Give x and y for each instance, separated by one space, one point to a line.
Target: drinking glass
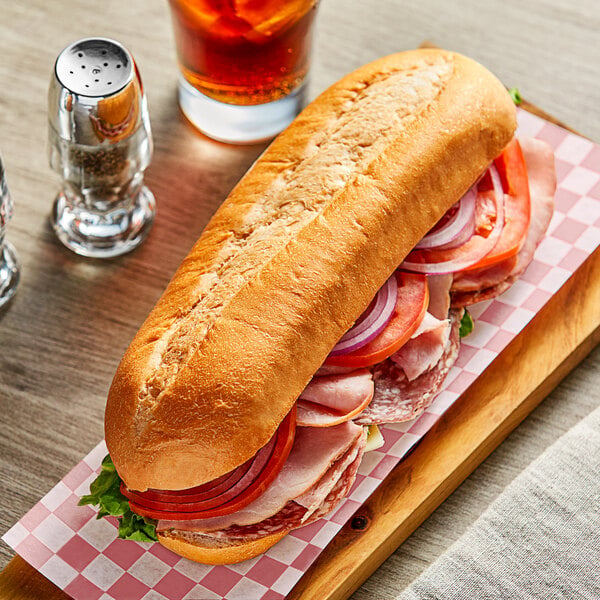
243 64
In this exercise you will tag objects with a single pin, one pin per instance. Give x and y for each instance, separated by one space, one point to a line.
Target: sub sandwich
325 296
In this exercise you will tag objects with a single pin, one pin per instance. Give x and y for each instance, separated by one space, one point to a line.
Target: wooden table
63 334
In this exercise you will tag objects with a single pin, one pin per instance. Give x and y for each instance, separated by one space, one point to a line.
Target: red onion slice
458 229
479 247
371 323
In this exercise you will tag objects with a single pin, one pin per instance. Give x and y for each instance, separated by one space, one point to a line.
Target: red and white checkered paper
82 555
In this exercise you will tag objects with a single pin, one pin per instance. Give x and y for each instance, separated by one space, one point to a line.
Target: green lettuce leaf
105 493
466 324
134 527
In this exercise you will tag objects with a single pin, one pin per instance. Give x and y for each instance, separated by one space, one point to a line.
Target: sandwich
326 296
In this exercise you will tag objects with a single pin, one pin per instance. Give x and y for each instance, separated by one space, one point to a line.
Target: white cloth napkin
540 539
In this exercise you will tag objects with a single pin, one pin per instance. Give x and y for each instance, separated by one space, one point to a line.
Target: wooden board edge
20 581
491 408
332 552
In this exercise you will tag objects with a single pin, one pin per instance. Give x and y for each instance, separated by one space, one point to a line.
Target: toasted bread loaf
292 258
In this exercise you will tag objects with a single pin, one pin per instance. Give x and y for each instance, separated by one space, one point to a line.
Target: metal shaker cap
96 94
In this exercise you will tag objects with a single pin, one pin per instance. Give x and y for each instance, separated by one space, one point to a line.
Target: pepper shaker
9 265
100 144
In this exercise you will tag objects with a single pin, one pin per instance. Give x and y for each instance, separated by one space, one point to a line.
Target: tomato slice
512 170
411 306
517 205
203 492
180 508
226 490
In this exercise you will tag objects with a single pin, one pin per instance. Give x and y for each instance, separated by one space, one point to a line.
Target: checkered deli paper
83 556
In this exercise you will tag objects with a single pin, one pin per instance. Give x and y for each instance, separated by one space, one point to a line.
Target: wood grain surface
62 336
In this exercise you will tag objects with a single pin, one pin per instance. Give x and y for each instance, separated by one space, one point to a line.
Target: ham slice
397 399
426 346
314 497
333 399
301 471
476 280
423 351
341 488
482 284
542 187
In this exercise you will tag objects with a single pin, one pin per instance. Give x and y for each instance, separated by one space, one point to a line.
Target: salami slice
288 518
397 399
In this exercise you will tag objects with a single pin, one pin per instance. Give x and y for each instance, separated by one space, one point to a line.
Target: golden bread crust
211 553
292 258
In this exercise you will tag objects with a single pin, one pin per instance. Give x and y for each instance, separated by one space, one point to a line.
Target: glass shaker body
100 143
9 265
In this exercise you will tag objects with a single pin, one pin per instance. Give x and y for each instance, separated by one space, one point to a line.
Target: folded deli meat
327 296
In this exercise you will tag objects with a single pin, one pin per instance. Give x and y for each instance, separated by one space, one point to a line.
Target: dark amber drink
244 52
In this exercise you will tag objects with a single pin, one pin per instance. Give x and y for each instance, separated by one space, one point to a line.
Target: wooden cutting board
551 345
